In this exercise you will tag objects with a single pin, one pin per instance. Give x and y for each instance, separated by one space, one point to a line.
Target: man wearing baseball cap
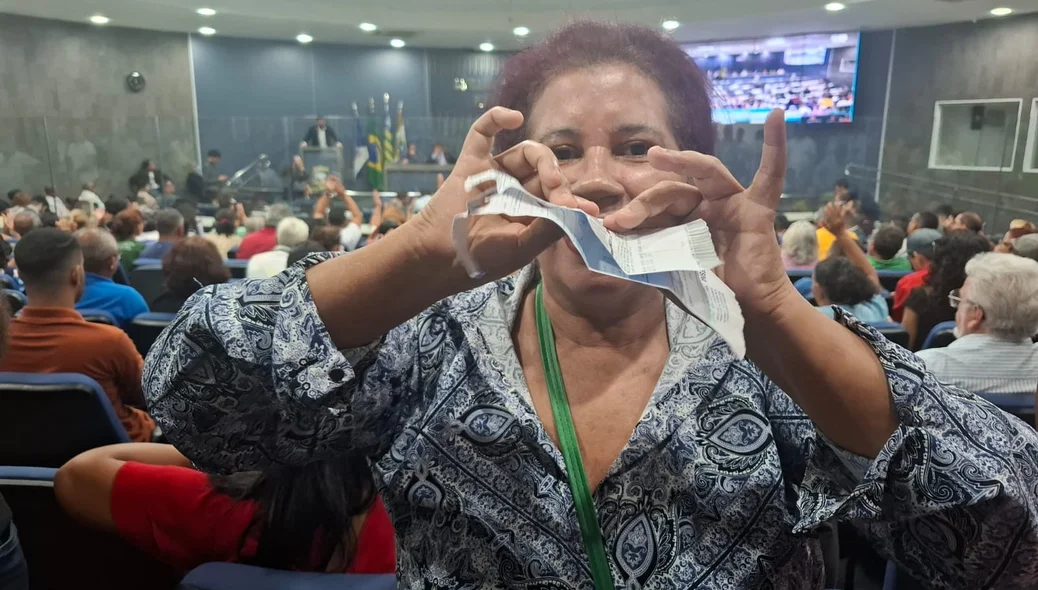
920 253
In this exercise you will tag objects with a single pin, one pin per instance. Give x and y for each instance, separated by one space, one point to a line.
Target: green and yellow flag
374 164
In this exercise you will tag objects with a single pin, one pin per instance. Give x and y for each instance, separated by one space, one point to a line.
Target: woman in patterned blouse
707 471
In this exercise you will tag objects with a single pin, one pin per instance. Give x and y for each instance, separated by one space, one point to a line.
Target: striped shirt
982 363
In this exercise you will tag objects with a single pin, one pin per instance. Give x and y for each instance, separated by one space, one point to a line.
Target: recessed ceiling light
835 6
98 19
520 31
207 31
368 27
206 11
486 46
1001 11
304 38
839 38
670 25
398 43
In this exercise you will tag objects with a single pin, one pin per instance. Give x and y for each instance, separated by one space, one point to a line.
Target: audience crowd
72 257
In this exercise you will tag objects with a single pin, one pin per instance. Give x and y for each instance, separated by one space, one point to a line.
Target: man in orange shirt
51 337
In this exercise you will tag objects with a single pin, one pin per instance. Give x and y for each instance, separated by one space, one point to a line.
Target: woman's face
600 122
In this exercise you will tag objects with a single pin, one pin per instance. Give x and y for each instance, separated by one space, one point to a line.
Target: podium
322 162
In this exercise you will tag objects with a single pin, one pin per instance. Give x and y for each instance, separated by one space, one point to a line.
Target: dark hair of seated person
44 257
303 250
116 205
928 219
888 241
337 215
327 236
48 219
842 282
948 268
305 514
193 263
225 222
387 226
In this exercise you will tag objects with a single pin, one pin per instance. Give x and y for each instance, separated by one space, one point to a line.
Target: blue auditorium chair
48 419
237 267
147 278
146 327
235 576
8 282
15 299
794 275
62 553
889 278
940 336
893 332
98 316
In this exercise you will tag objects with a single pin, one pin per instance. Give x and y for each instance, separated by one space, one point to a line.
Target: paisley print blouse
720 486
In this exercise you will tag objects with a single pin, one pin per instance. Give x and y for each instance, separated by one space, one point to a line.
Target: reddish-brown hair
193 263
588 43
125 224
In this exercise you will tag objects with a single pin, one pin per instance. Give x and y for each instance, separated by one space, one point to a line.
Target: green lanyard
593 543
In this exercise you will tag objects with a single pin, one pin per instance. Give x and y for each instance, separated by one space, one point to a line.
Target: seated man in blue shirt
100 261
170 225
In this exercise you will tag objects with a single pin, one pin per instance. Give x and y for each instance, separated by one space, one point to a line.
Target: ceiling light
1001 11
367 27
97 19
304 38
839 38
775 42
207 31
520 31
670 25
835 7
206 11
398 43
486 46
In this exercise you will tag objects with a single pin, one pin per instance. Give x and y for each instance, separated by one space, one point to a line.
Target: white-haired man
291 232
995 317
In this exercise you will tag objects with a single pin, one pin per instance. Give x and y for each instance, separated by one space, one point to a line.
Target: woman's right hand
499 245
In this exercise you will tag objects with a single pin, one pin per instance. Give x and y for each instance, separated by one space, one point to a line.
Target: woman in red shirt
323 517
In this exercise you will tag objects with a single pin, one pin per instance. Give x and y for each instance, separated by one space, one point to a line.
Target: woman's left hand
741 220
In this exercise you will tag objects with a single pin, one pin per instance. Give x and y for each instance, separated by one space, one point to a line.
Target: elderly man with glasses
996 315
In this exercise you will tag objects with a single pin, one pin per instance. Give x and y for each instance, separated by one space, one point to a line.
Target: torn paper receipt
676 259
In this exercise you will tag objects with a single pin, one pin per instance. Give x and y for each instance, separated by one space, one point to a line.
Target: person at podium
321 135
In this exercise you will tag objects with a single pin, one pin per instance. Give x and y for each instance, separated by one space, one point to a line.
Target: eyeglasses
955 299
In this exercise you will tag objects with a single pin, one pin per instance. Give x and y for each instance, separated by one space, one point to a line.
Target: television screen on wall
811 77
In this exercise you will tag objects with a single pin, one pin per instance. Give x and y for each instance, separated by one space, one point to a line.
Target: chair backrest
146 327
15 299
889 278
48 419
940 336
893 332
236 576
148 280
121 277
62 553
8 282
794 275
237 267
98 316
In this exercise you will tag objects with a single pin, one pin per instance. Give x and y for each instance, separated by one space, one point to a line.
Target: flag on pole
401 136
389 154
374 164
360 144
